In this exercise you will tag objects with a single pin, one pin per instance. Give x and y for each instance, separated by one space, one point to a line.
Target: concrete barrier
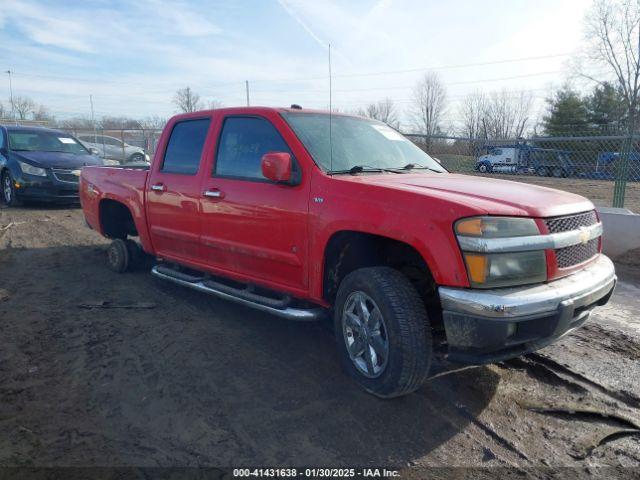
621 230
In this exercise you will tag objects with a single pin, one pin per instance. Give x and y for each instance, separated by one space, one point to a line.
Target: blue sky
133 55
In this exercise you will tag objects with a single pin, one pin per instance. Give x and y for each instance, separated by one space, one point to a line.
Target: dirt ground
194 381
600 192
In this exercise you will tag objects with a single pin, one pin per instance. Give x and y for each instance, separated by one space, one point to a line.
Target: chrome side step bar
235 295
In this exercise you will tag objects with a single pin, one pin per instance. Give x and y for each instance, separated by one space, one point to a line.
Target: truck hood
57 159
485 195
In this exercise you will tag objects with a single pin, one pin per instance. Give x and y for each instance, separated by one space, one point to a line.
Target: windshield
356 142
33 141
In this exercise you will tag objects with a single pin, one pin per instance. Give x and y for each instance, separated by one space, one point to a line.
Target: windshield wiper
364 168
416 166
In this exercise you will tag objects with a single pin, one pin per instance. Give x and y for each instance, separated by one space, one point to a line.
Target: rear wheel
542 171
136 158
558 172
483 168
9 190
119 256
382 331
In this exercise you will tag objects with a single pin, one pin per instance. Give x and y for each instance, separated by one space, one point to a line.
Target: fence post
622 173
124 155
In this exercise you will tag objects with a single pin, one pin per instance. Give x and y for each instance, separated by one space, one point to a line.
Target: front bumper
46 189
484 326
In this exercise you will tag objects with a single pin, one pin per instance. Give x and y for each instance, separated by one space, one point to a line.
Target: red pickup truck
305 214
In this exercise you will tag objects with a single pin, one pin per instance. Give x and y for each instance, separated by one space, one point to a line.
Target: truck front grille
571 222
66 175
576 254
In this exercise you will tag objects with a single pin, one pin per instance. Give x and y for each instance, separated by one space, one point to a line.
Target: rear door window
184 149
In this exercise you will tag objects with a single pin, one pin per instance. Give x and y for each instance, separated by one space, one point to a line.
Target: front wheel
382 331
9 190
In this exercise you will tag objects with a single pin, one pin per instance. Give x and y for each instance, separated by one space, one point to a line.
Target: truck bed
122 183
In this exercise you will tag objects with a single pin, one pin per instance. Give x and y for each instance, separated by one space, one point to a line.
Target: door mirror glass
277 166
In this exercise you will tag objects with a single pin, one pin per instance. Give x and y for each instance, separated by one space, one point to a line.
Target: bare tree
383 111
43 114
613 34
472 111
429 103
78 123
119 123
154 122
2 110
187 100
23 107
506 115
213 104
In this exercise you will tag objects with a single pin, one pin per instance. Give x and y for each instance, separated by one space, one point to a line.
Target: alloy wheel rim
365 334
7 188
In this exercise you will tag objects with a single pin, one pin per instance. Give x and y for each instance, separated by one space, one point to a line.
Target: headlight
146 157
31 170
489 270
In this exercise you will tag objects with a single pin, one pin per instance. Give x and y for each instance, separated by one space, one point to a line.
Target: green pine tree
567 114
607 110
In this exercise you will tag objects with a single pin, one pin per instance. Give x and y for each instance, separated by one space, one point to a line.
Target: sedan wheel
8 190
365 334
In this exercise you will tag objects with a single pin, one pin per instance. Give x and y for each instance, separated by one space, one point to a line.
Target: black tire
542 171
118 256
135 254
9 190
558 172
485 168
408 331
136 157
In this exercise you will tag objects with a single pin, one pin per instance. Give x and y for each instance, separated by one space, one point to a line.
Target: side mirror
94 151
277 167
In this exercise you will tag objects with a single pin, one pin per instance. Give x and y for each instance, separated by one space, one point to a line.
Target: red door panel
251 227
173 196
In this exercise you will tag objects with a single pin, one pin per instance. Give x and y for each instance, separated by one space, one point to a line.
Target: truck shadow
200 381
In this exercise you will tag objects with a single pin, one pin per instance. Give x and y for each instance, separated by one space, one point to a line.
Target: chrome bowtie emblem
584 235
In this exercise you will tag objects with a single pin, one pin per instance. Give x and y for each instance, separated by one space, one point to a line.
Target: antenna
330 117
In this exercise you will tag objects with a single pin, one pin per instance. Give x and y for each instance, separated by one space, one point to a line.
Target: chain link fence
119 146
603 168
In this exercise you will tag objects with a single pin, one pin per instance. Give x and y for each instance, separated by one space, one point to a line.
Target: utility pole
93 121
246 84
13 114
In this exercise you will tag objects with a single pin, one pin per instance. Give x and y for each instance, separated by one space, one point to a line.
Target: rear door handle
214 193
158 187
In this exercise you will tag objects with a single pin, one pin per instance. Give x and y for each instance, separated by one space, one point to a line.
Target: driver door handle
213 193
158 187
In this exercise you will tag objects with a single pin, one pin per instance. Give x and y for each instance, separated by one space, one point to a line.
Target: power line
293 79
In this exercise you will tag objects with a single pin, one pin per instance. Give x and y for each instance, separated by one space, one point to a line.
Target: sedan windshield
33 141
357 144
